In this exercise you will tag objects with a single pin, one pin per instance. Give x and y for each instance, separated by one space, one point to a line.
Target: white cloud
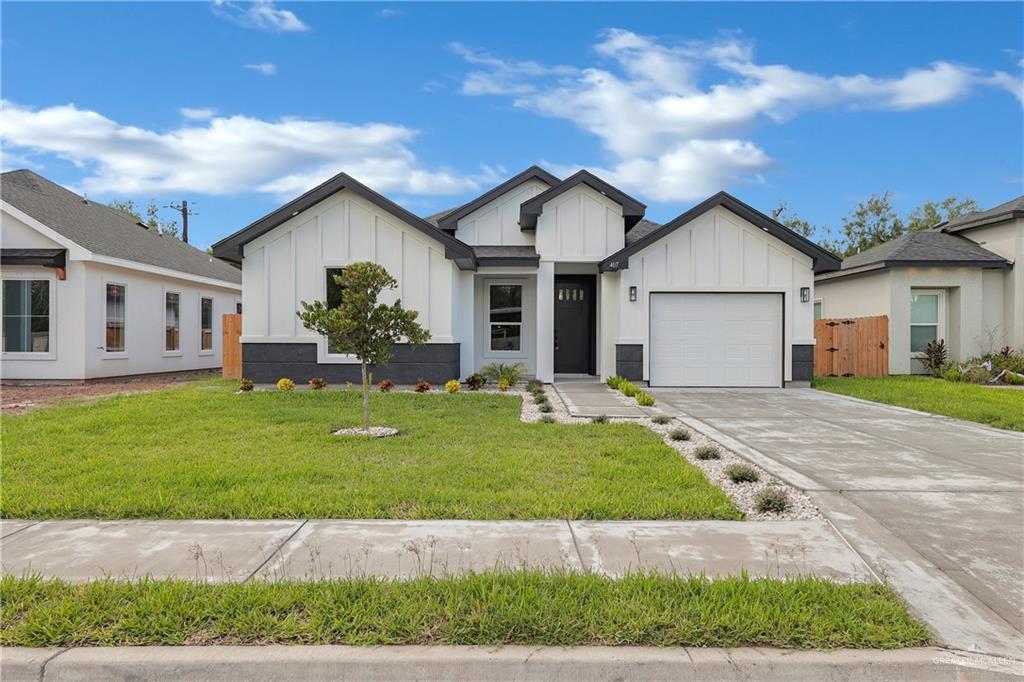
666 110
389 13
266 68
228 154
259 14
198 114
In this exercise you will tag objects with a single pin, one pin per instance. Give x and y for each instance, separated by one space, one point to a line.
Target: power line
185 212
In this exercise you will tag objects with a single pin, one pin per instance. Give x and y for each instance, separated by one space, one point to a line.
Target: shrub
475 381
385 385
1006 358
540 398
644 399
452 386
546 407
975 375
661 419
496 371
951 374
317 383
614 381
548 419
246 384
742 473
771 500
285 384
599 419
707 452
628 389
422 386
934 356
534 385
679 434
503 384
1013 379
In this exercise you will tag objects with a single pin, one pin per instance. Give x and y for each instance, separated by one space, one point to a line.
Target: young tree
362 326
873 222
168 227
930 213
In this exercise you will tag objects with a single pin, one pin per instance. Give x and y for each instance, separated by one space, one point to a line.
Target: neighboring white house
88 292
562 276
956 282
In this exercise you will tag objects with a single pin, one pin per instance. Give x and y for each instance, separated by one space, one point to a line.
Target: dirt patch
15 399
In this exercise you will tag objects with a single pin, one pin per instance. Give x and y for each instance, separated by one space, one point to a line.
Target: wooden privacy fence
852 346
231 333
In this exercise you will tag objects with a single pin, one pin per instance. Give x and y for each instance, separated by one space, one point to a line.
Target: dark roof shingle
1012 209
927 247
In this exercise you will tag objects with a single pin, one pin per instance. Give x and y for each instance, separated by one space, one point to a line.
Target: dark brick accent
803 362
265 363
629 361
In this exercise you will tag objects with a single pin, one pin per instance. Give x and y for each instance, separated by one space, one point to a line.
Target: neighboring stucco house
955 282
561 275
88 292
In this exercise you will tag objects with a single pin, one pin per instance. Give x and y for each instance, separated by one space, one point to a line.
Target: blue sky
239 107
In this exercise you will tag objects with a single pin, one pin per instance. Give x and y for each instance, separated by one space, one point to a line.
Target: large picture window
206 317
172 321
26 313
925 319
505 310
115 318
333 296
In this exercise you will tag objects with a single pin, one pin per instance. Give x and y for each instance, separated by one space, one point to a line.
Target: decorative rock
374 432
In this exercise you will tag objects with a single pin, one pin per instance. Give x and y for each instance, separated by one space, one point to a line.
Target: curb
497 663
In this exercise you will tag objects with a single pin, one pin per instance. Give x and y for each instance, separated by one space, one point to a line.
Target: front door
575 337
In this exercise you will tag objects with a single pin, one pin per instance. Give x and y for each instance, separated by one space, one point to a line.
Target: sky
240 107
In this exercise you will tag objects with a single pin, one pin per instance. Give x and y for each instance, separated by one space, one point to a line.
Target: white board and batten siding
719 252
288 265
496 223
581 225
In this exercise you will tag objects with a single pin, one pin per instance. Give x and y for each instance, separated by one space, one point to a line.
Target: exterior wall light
632 294
805 294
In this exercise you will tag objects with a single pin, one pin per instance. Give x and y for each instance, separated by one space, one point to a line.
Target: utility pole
185 212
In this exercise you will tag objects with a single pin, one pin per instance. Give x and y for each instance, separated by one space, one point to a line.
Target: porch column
608 323
546 321
465 317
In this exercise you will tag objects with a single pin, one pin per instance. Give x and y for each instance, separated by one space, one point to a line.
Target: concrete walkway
219 551
936 505
589 397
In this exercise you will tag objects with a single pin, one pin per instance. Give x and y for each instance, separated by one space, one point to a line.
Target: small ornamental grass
644 399
707 452
548 419
679 434
600 419
614 382
742 473
546 408
628 389
771 501
661 419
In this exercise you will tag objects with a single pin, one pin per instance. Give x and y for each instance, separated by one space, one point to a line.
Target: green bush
771 500
475 381
661 419
644 399
742 473
546 407
614 381
628 389
1013 379
600 419
534 385
679 434
1006 358
707 452
975 375
951 374
496 371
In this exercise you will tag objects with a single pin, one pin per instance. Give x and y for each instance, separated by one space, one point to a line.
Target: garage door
716 340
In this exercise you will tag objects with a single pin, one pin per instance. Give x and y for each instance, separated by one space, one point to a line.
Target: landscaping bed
999 407
522 607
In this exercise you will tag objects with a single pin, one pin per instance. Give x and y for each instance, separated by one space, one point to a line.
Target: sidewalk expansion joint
15 532
576 544
276 550
42 668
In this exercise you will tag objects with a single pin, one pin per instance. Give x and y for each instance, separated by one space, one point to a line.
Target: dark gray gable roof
823 260
632 210
1011 210
641 230
449 220
230 248
106 231
506 256
921 249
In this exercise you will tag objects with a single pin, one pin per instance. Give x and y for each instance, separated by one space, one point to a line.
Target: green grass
204 451
486 609
999 407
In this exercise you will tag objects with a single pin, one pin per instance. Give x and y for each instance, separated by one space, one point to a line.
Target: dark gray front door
575 347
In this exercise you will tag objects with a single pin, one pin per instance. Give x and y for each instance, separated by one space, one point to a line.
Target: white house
88 292
956 282
563 276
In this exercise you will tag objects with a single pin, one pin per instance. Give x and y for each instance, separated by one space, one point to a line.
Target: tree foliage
931 213
360 325
168 227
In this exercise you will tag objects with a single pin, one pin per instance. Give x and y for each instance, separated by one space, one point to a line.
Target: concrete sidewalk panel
410 549
22 664
12 526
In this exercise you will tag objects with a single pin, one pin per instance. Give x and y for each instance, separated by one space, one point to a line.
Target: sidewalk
226 551
591 398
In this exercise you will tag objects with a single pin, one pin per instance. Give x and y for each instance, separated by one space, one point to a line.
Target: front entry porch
589 397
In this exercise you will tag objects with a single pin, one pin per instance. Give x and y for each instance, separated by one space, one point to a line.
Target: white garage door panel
716 340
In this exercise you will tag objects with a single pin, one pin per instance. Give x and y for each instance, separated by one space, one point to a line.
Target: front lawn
522 607
205 451
999 407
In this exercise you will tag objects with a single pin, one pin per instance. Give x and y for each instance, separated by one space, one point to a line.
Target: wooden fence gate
231 344
852 346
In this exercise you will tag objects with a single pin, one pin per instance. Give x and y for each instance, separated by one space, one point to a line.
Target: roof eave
632 209
935 263
450 222
1013 214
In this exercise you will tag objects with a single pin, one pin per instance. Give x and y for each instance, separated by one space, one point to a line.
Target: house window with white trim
333 294
172 321
925 319
505 310
818 308
115 336
206 319
26 316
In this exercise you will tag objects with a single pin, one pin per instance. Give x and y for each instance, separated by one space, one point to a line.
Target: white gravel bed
374 432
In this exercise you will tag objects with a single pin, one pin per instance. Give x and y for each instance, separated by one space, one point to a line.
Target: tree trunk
366 398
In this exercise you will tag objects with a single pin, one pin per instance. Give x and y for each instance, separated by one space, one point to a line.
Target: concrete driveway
935 504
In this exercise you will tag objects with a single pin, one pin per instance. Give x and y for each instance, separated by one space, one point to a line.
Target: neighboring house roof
823 260
1011 210
632 210
106 231
449 220
230 248
928 248
640 230
495 256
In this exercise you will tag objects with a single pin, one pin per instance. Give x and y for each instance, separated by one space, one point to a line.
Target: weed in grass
771 501
548 419
707 452
742 473
679 434
600 419
661 419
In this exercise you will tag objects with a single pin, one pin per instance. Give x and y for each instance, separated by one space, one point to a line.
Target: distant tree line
152 221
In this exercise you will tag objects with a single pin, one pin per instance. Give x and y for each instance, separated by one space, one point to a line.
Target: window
206 318
506 317
925 317
333 295
172 321
818 309
26 312
115 318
